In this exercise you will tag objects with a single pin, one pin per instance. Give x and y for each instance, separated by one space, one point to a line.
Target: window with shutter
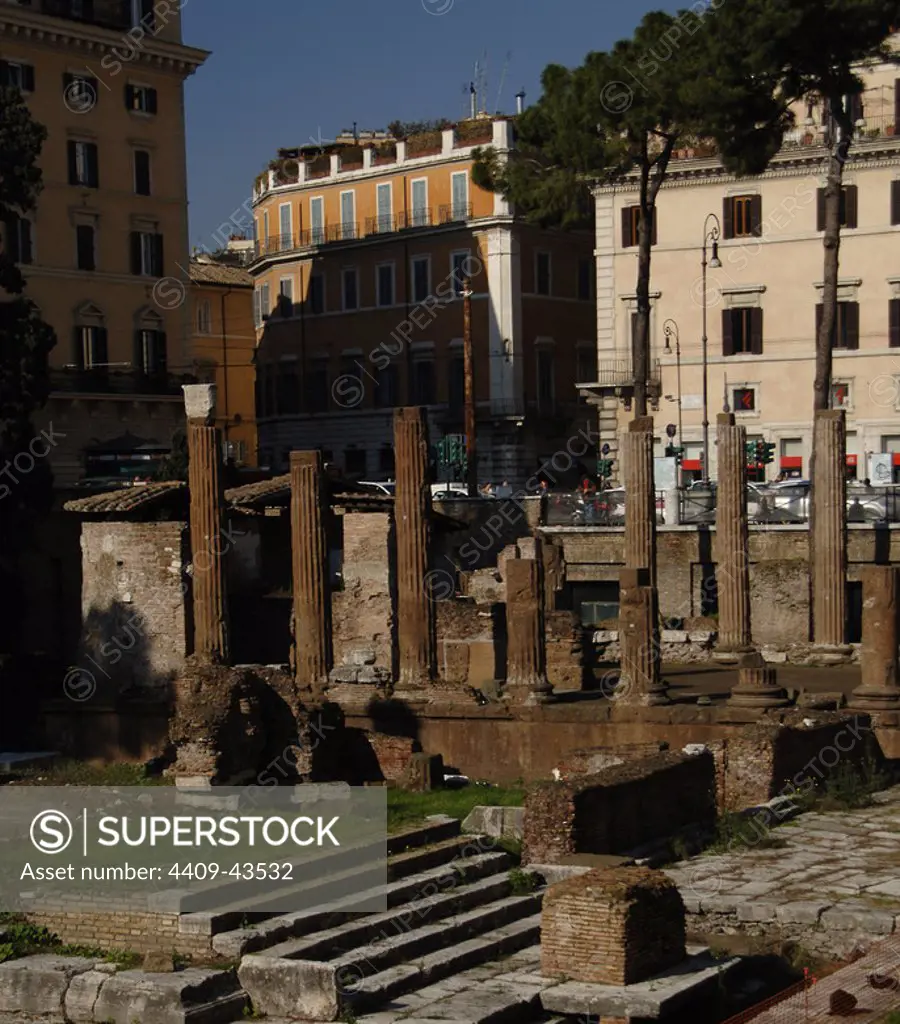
631 222
84 237
820 209
142 172
894 323
727 332
895 202
849 200
83 165
17 75
756 331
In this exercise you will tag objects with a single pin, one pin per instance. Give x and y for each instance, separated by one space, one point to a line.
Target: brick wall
394 754
618 808
612 927
118 930
594 759
134 629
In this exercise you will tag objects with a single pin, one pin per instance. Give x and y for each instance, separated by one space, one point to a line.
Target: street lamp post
670 330
710 234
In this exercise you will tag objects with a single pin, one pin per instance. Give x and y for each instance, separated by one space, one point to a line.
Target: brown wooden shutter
727 333
73 163
756 331
756 216
820 209
77 349
728 217
626 228
851 201
894 321
895 201
897 106
851 316
136 253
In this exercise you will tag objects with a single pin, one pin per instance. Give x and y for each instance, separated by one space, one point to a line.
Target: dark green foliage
175 465
403 129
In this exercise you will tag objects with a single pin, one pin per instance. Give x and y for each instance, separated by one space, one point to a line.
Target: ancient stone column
207 523
310 571
639 675
732 539
412 509
757 685
880 636
526 651
829 526
640 497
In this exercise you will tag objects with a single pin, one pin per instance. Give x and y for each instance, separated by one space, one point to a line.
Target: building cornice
883 153
96 42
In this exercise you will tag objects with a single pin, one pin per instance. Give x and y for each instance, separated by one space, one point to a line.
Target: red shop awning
791 462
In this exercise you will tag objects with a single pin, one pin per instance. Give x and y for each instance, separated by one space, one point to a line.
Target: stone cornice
96 42
789 164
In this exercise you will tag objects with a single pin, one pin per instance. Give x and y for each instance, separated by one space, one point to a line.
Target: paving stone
861 918
801 911
758 910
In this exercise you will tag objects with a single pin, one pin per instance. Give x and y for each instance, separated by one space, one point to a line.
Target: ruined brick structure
612 927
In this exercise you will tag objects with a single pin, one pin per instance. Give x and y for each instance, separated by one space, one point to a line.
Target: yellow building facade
103 252
362 253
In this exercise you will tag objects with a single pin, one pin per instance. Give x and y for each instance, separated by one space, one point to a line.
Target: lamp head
714 261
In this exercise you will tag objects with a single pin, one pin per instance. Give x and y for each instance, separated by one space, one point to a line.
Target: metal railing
450 213
117 382
603 508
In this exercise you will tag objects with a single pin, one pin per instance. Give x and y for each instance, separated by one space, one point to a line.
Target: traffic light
752 450
675 452
604 468
768 453
451 455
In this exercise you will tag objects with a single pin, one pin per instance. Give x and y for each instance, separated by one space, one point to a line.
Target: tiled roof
140 498
220 273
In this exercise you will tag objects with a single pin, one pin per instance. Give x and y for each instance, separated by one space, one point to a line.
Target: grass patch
408 809
83 773
735 831
521 883
850 787
19 938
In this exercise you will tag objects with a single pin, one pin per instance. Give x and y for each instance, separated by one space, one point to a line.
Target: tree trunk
841 131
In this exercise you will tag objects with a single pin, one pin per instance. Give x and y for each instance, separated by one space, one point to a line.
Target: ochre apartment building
762 305
103 252
362 251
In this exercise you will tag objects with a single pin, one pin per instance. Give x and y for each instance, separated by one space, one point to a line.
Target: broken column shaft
526 653
732 537
207 523
880 636
829 530
310 572
412 504
639 676
640 497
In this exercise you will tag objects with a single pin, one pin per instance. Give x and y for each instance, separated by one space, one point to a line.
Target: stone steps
405 917
445 961
280 929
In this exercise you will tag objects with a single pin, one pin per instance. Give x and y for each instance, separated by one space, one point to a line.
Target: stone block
373 674
701 636
674 636
169 998
360 656
756 910
606 636
37 984
424 772
83 992
859 918
344 674
495 821
295 989
801 912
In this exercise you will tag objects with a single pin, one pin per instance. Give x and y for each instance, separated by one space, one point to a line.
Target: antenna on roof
497 107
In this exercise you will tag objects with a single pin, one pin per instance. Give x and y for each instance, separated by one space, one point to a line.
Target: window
387 390
421 278
840 394
386 460
742 331
285 226
90 347
791 458
350 288
316 295
86 247
743 399
140 99
459 187
287 388
142 172
894 323
546 386
459 266
355 461
317 386
204 317
83 164
845 332
348 215
142 13
456 384
849 204
542 273
80 93
384 281
585 280
742 216
586 369
384 201
286 296
419 214
423 382
266 228
17 75
631 220
146 253
17 239
317 220
150 353
895 195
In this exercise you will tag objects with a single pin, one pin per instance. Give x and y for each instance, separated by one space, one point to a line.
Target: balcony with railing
115 14
107 381
451 213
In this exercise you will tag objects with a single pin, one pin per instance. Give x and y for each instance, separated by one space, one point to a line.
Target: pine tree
25 343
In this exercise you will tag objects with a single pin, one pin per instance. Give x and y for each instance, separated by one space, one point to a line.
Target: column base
829 654
874 698
528 694
732 655
654 696
757 688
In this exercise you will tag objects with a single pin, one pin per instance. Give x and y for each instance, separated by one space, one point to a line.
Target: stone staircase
451 909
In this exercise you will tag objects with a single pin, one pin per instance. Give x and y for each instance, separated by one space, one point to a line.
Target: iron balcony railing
451 213
117 382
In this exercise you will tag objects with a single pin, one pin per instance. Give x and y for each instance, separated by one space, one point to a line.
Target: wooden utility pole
469 376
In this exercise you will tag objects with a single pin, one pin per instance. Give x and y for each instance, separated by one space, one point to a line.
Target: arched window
89 339
149 358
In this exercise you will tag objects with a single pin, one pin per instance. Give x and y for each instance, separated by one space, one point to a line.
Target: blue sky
281 71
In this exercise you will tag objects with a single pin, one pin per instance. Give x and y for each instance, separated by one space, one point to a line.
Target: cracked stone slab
861 918
801 911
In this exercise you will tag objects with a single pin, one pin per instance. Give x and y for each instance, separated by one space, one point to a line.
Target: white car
387 487
449 489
